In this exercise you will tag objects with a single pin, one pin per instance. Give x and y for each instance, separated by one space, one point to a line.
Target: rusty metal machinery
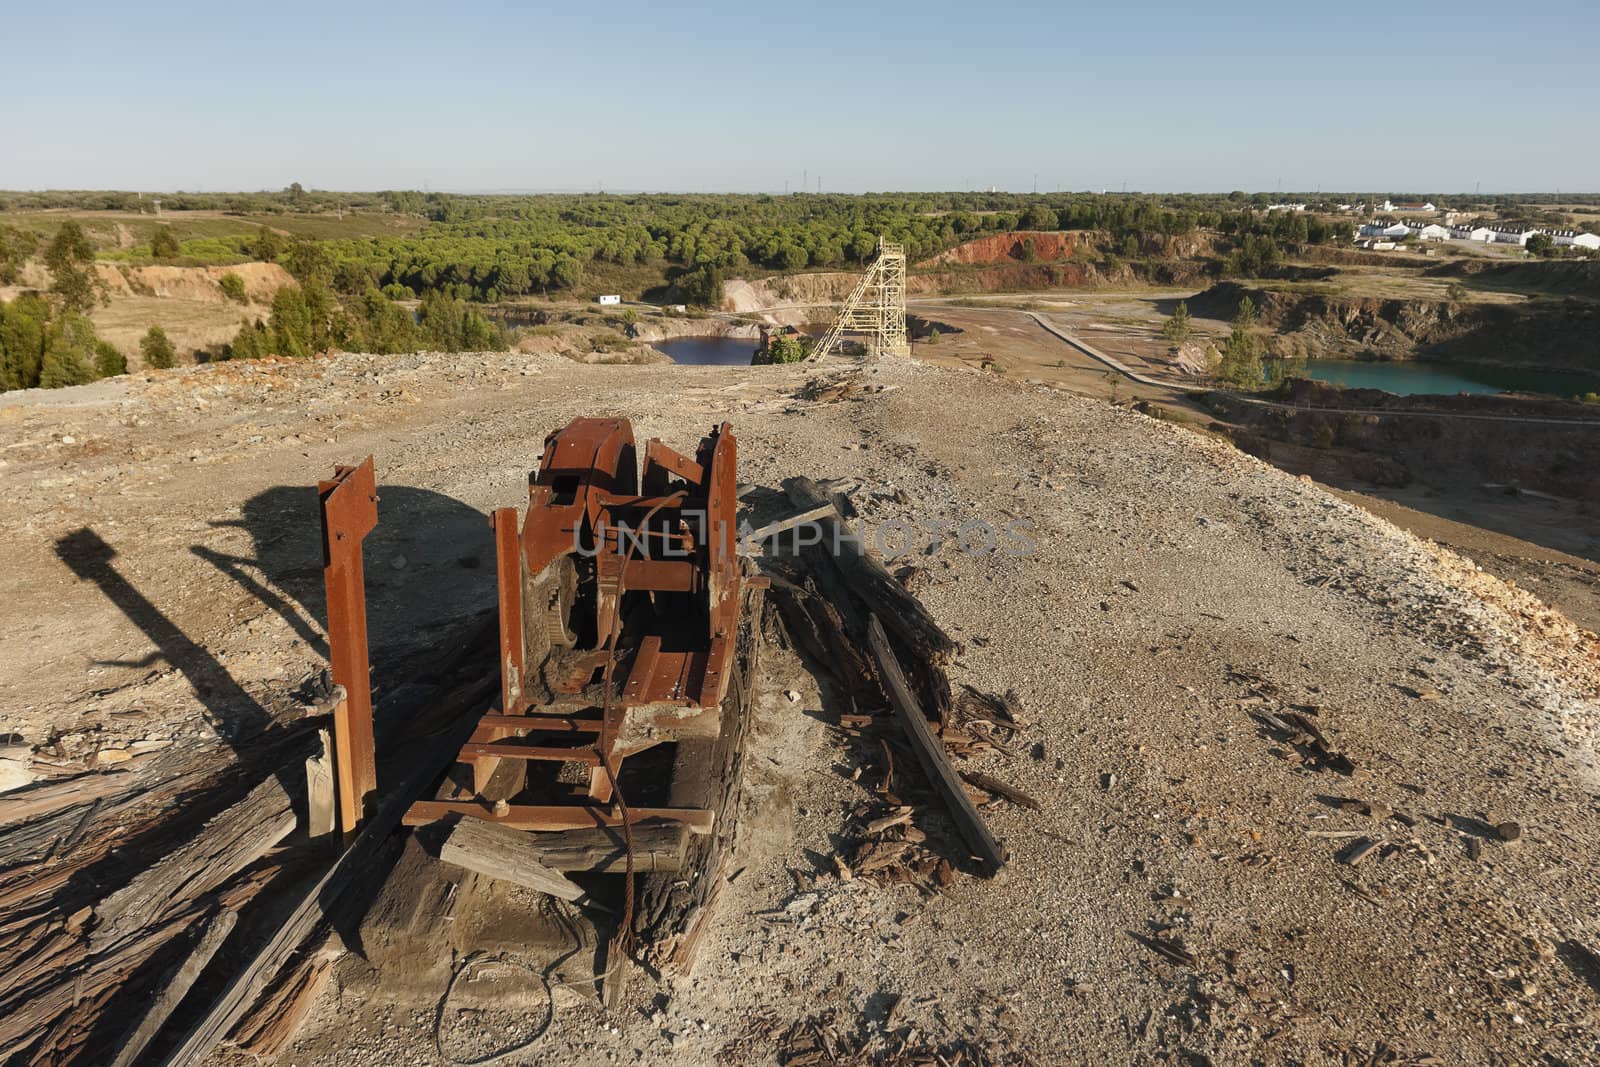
619 602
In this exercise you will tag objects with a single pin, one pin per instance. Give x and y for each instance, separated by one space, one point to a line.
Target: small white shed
609 298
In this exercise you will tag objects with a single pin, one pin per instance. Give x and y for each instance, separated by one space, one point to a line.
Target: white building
1389 205
609 298
1380 228
1511 235
1471 231
1574 238
1286 207
1427 231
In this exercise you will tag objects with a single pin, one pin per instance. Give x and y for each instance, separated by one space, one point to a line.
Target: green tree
163 245
1039 217
69 354
1178 328
70 257
22 341
157 350
450 324
784 348
1241 355
1541 244
16 245
267 246
565 273
291 323
702 288
108 362
232 287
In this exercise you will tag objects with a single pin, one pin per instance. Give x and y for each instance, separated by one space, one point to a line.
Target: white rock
792 696
14 774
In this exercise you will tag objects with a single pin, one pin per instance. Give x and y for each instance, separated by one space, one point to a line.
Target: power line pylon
877 306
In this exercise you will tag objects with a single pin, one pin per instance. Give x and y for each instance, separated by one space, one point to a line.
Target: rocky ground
1165 592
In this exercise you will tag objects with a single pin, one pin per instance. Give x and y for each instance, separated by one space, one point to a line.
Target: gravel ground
1174 589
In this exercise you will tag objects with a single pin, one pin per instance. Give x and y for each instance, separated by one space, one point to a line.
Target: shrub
232 287
163 245
157 350
108 362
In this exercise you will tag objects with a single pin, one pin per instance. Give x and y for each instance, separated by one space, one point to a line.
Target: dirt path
1174 587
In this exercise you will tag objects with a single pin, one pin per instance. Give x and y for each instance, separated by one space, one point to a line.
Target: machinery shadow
231 711
429 563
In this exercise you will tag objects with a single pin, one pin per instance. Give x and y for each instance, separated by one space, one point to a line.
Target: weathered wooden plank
657 848
1001 789
811 514
931 754
213 933
871 581
505 854
48 797
223 847
268 1029
321 794
258 972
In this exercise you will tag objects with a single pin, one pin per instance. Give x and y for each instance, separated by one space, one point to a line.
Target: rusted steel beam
508 556
515 748
349 504
555 816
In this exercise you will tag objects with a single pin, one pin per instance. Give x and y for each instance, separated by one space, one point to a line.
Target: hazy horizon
723 98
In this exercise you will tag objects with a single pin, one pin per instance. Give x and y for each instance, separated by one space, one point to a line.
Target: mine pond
709 351
1414 378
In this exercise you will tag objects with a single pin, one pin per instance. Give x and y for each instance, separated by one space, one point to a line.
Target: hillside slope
1173 589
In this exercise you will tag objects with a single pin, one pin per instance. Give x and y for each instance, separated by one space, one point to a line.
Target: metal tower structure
877 307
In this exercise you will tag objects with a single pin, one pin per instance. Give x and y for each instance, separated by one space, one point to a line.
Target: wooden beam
931 754
226 845
212 935
48 797
433 757
814 514
506 854
657 847
871 581
554 816
321 791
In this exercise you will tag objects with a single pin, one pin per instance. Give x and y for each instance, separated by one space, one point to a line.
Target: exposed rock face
1553 334
261 281
1329 428
1013 248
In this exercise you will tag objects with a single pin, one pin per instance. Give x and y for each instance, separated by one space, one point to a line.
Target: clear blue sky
1396 96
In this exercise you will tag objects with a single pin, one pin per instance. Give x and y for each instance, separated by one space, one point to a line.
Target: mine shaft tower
877 307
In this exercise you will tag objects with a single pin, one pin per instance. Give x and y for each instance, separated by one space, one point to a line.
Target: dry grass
190 324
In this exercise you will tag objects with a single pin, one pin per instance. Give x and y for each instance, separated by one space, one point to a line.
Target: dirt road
1174 589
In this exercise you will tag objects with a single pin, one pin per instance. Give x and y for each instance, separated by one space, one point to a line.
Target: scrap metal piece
349 504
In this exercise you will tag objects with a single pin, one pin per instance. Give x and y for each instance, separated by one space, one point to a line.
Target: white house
1380 228
1286 207
609 298
1575 238
1471 231
1512 235
1389 205
1427 231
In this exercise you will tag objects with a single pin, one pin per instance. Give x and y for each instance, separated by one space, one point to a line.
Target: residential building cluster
1385 231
